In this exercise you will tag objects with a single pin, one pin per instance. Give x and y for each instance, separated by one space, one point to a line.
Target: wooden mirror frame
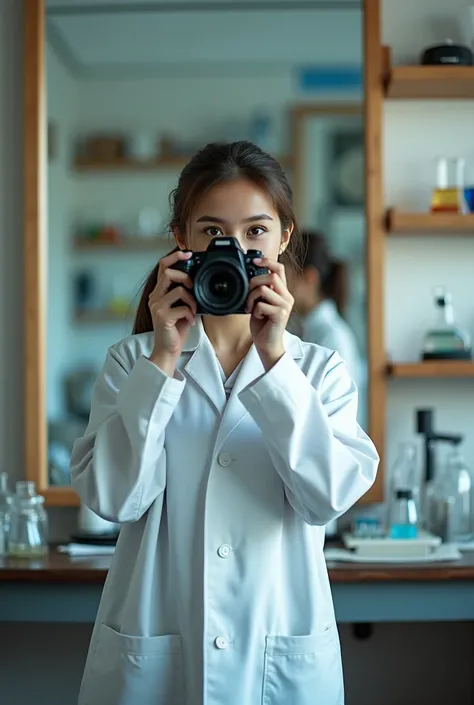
35 246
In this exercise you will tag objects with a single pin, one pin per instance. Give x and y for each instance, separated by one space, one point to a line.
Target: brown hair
333 273
216 164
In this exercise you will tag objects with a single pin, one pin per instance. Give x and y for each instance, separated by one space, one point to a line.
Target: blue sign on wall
329 78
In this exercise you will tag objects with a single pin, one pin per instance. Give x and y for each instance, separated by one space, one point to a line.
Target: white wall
415 133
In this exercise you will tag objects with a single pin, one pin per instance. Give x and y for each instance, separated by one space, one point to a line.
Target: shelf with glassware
83 165
426 223
124 243
118 153
423 82
441 369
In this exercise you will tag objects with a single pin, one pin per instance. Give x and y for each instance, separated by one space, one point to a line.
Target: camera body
221 276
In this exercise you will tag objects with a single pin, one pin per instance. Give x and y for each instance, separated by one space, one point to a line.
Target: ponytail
143 322
333 273
336 285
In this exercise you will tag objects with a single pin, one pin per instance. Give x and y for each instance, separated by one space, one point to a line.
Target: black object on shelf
447 54
424 426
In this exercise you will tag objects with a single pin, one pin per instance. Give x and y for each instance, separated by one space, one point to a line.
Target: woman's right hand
171 324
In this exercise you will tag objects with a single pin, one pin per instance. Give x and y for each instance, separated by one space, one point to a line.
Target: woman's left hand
269 304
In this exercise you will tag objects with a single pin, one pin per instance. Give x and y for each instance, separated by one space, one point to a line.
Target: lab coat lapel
235 411
251 369
203 367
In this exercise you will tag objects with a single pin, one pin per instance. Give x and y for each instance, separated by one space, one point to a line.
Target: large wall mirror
118 96
329 187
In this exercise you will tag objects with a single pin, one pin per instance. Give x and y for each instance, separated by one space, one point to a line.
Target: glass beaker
28 523
448 196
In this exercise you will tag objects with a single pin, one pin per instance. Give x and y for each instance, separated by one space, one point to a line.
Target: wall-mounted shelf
427 82
102 316
175 161
125 164
400 223
438 368
125 244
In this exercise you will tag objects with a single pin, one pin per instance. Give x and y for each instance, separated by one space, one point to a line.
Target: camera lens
221 288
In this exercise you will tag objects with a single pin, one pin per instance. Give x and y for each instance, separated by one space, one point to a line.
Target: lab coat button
224 551
221 642
224 459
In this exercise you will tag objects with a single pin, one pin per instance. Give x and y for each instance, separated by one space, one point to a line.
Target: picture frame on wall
347 168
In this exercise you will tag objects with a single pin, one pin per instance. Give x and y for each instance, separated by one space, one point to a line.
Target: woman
218 592
320 290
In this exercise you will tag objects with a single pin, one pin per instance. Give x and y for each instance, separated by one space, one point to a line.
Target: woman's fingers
272 280
180 293
273 266
172 258
267 295
168 277
264 310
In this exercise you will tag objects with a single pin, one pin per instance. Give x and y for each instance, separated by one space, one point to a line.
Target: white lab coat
218 592
324 326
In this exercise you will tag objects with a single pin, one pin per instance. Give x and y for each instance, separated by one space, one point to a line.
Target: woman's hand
270 304
171 324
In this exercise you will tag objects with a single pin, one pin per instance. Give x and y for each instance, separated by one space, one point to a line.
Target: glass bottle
405 471
403 516
445 341
459 478
5 509
29 523
448 196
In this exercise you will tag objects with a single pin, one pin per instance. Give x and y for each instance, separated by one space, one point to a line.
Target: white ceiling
104 41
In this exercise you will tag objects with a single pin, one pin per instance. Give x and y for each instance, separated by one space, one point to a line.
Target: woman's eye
256 231
213 232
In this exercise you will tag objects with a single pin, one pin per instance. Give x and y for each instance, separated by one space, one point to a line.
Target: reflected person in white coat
320 290
223 445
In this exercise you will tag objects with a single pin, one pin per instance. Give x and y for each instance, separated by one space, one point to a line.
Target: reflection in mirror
330 293
131 94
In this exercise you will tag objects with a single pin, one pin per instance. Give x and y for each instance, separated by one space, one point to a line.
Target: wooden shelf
399 223
56 496
103 316
438 368
125 244
175 161
430 82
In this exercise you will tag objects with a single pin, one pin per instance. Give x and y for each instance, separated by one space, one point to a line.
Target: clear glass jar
28 523
5 511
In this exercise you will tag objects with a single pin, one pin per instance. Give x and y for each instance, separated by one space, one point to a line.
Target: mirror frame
35 244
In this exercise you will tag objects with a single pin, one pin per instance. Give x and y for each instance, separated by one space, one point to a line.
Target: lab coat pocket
303 670
131 669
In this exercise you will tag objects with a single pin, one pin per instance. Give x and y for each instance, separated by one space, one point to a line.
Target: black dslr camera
221 276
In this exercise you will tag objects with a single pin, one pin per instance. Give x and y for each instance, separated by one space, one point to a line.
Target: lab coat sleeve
118 467
323 457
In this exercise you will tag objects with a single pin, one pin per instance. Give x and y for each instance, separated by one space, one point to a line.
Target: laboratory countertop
60 568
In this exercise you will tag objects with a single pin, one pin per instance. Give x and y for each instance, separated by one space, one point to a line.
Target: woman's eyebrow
221 221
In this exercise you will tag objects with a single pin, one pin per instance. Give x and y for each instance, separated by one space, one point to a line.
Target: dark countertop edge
337 574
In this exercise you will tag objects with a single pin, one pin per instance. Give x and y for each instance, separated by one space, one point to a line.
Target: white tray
446 552
387 548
